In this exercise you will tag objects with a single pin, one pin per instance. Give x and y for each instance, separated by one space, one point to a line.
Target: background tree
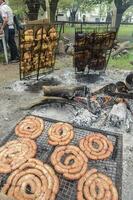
71 5
128 14
32 7
84 5
53 7
18 7
121 7
43 5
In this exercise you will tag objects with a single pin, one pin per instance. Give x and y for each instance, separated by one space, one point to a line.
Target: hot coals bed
68 189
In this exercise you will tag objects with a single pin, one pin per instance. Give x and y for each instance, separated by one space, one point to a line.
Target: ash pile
109 107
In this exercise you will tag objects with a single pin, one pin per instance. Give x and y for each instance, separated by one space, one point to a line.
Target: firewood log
65 91
121 47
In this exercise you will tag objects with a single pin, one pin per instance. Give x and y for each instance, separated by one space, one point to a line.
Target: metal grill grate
92 49
111 167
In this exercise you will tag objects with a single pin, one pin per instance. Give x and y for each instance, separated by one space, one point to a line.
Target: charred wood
118 115
68 92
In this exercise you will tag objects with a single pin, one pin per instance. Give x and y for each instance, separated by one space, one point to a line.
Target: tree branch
128 4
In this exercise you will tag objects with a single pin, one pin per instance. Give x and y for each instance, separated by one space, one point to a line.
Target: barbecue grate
111 167
37 55
92 49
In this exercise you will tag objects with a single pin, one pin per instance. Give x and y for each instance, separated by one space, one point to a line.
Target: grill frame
111 167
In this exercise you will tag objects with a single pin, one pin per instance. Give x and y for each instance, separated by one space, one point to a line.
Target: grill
92 49
111 167
37 55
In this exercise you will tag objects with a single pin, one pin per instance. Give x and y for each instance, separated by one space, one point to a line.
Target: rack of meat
92 50
37 49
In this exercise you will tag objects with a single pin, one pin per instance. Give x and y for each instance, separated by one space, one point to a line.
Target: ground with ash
17 96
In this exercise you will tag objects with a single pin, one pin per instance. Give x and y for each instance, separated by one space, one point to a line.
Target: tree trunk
32 17
73 16
121 7
119 15
53 8
43 5
33 9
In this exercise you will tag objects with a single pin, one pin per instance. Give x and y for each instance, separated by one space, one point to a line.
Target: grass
125 31
122 63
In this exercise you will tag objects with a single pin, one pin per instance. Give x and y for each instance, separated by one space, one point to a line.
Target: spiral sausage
60 134
69 161
96 146
33 180
95 185
31 127
15 153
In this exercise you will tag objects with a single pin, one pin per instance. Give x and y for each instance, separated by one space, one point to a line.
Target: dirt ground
16 94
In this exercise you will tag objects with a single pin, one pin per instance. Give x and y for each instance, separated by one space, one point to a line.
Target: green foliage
69 4
89 3
18 7
128 12
64 4
84 5
94 2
